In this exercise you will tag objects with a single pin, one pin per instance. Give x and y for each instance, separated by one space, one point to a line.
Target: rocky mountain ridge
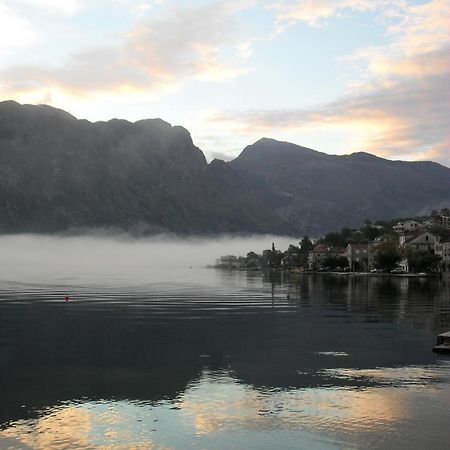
61 174
330 191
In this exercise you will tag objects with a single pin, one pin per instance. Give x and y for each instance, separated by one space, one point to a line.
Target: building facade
443 250
358 257
425 241
320 253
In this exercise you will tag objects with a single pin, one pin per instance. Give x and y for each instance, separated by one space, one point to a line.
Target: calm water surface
157 358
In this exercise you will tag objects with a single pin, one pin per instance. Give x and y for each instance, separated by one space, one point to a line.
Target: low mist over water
46 259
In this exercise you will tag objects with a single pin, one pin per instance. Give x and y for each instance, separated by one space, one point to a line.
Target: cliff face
327 192
58 173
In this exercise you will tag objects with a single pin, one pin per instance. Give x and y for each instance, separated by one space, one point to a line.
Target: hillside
58 173
326 192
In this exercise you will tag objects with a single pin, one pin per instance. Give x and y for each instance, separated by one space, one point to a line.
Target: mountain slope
59 173
328 191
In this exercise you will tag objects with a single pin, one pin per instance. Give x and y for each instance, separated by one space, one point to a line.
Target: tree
335 262
357 237
272 257
292 249
253 259
345 233
334 239
422 261
371 232
306 245
387 256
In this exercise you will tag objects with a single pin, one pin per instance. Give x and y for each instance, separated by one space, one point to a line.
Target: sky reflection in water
217 411
197 358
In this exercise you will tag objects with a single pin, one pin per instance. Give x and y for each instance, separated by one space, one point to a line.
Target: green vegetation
387 256
334 263
421 261
384 254
294 256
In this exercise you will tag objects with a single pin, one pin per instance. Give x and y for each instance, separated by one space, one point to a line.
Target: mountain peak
267 149
364 156
283 145
14 108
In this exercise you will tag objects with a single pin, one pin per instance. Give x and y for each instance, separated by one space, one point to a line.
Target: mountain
58 173
326 192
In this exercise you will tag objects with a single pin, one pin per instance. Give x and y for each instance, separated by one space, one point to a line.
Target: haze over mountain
58 173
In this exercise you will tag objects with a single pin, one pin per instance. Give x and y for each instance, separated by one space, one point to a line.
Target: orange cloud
420 46
406 119
399 106
314 12
157 54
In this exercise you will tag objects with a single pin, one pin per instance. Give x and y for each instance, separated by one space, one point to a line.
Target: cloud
420 44
407 120
65 7
15 31
399 104
156 54
315 12
73 7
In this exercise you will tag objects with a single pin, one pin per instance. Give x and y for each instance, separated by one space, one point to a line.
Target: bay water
154 351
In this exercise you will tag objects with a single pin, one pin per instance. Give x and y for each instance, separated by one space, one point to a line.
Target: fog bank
46 259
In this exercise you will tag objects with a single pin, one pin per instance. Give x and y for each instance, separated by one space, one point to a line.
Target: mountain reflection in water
214 359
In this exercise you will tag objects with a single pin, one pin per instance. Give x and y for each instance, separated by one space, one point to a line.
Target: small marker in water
66 298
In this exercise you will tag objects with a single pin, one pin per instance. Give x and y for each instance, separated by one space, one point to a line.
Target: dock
443 343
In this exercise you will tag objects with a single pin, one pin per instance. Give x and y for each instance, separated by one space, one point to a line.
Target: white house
407 226
443 250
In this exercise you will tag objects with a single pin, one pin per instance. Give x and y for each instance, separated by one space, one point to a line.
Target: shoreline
350 274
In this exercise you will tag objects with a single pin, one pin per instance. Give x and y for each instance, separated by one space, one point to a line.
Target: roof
321 248
412 237
402 222
359 246
385 237
445 236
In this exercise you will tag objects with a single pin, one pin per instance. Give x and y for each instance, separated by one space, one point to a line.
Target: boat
443 343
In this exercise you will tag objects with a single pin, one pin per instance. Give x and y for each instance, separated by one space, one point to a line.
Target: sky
339 76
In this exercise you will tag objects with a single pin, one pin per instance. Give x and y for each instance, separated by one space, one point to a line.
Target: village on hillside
419 245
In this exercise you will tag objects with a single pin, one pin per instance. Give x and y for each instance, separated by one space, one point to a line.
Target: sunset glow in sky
335 75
